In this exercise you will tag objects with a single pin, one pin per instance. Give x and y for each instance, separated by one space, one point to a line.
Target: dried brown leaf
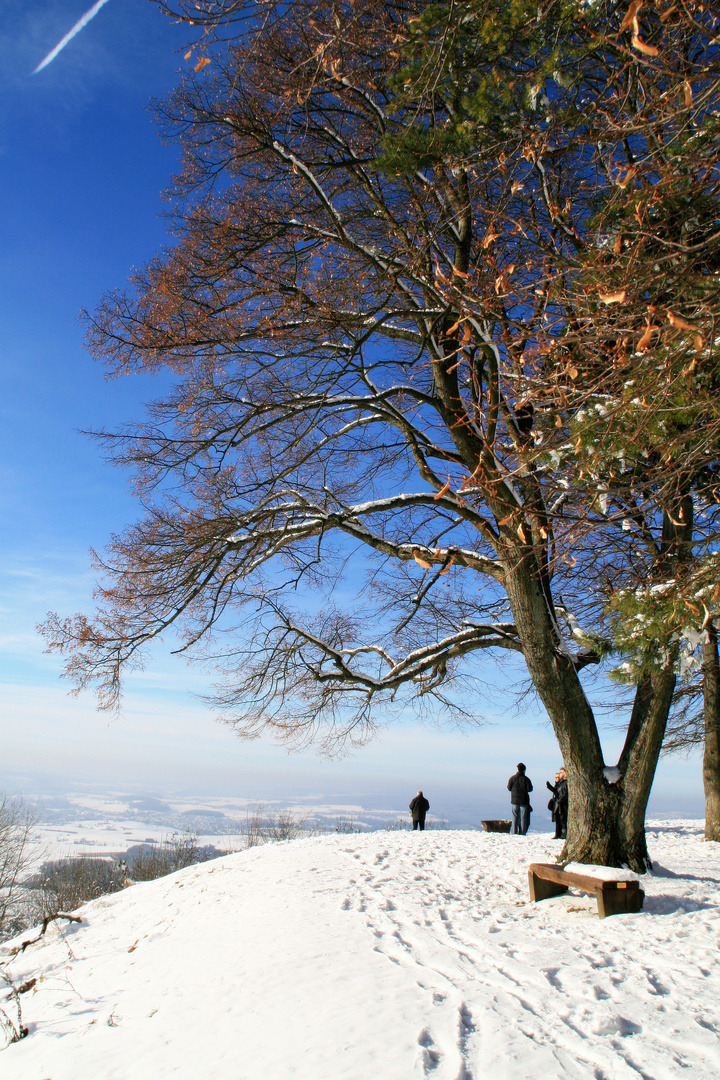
643 47
645 340
631 14
679 323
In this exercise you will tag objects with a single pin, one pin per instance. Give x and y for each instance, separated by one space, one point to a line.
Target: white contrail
83 21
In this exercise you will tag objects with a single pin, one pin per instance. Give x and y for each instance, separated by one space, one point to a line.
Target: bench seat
615 895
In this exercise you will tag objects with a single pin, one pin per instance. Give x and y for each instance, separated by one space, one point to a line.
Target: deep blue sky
81 171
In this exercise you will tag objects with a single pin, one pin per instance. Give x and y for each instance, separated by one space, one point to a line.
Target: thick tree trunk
711 757
607 811
606 819
640 756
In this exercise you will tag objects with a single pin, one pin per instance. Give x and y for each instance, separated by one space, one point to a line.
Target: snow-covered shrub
262 827
152 861
17 835
66 884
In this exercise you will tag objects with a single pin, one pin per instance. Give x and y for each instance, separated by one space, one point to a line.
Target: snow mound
386 956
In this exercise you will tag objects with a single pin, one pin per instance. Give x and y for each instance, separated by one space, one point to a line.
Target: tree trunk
640 756
711 757
606 816
606 823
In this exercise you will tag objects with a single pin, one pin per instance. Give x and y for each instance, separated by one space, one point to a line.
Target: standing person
520 787
560 812
419 807
553 804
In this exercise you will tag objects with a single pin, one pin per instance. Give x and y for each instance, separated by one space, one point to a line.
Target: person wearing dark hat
419 807
520 787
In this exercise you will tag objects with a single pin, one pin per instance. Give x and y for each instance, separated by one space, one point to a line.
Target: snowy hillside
388 956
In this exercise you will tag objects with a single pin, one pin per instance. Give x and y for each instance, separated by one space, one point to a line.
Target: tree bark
639 758
606 818
711 757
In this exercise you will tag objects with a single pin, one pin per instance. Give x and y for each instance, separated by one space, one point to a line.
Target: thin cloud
82 21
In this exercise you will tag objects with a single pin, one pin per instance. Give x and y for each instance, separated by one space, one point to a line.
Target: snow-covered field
388 955
108 823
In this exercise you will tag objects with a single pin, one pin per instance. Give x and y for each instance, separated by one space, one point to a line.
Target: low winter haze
81 173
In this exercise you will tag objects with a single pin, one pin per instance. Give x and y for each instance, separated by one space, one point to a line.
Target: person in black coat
559 803
520 787
419 807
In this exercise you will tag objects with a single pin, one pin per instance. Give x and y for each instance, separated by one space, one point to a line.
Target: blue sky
81 171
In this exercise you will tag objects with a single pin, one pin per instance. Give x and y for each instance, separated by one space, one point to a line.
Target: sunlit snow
390 955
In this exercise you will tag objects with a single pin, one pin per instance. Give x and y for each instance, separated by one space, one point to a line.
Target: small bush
66 884
17 844
157 860
261 827
347 825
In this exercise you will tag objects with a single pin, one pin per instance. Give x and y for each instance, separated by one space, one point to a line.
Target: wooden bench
496 826
614 896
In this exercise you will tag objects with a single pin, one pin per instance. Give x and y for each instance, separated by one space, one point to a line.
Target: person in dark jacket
559 803
419 807
520 787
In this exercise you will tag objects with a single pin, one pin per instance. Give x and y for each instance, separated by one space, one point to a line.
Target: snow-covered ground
388 955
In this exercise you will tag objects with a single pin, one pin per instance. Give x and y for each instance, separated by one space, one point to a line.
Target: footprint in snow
430 1057
392 959
466 1026
466 1018
618 1025
657 986
405 944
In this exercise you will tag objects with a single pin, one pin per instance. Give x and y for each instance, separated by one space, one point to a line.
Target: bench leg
618 901
541 889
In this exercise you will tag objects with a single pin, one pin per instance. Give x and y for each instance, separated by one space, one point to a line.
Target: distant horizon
461 808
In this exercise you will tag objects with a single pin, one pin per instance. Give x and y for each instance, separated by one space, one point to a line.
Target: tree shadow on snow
659 871
664 904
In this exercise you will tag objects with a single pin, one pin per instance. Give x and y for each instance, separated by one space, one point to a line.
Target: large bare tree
380 351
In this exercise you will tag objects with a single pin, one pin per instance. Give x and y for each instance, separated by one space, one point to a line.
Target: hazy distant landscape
94 822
